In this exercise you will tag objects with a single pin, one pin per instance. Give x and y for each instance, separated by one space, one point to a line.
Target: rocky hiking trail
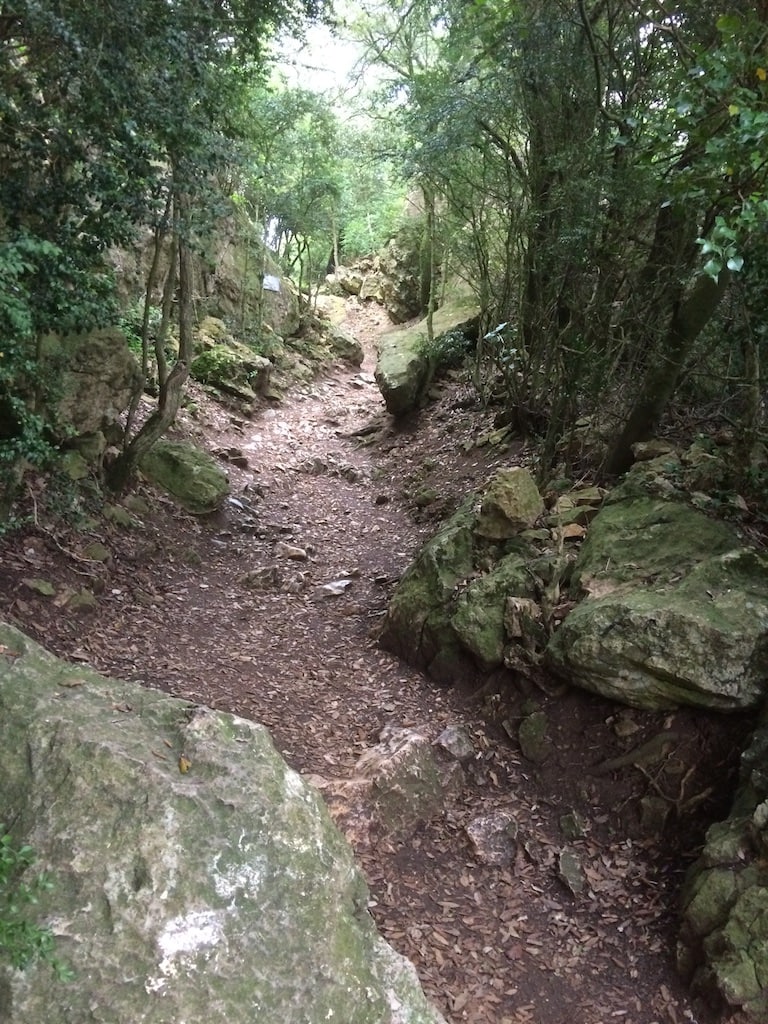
271 609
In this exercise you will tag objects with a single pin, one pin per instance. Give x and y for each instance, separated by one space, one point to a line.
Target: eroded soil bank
235 612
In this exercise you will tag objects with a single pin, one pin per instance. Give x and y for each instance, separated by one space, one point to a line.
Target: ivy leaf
729 24
712 268
735 263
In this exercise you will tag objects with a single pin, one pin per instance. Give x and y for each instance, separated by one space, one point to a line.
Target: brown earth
224 612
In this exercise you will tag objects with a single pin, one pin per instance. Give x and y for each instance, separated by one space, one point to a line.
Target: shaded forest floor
230 612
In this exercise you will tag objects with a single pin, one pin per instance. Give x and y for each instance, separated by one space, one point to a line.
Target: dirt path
233 613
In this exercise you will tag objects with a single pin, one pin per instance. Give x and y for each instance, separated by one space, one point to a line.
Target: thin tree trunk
171 384
689 318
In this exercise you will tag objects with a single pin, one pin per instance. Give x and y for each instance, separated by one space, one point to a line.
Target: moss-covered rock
418 626
511 503
232 368
98 375
345 345
450 612
197 877
676 612
188 474
723 941
479 616
403 365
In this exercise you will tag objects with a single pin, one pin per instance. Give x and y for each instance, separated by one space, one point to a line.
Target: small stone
573 826
570 872
533 739
296 554
135 503
97 552
83 601
44 587
654 812
74 465
119 515
456 741
333 589
645 451
493 838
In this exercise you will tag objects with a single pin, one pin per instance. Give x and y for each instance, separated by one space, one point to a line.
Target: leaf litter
203 610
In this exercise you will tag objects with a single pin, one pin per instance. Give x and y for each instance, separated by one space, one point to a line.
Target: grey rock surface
197 877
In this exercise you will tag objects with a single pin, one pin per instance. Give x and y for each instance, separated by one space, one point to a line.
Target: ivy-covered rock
676 610
188 474
197 877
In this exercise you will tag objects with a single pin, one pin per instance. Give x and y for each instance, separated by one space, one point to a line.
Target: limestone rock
395 785
450 613
232 368
676 612
346 346
402 368
417 626
723 942
197 877
492 837
348 279
405 782
479 617
400 270
511 503
372 287
98 375
403 363
188 474
456 741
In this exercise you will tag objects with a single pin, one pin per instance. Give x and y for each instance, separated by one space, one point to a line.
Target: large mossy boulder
675 612
449 615
723 942
196 876
404 361
401 272
188 474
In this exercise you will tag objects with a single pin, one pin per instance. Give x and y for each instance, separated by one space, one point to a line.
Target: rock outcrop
723 943
675 612
229 366
98 375
662 606
196 877
450 612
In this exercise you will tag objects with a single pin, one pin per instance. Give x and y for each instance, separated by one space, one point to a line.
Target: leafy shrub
21 940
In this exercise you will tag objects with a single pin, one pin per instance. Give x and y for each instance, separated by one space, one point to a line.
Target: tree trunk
171 384
689 318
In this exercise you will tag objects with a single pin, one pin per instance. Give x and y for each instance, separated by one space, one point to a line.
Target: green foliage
448 351
721 112
23 942
106 112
